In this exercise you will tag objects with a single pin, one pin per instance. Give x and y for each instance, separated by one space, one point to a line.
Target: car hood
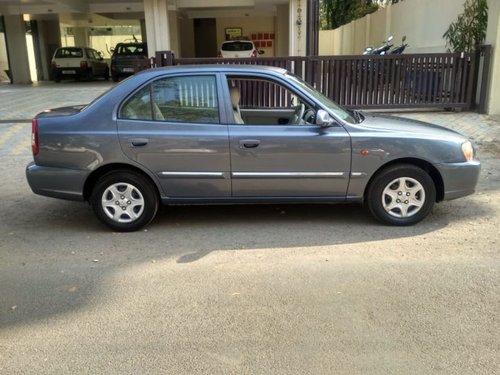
408 127
62 111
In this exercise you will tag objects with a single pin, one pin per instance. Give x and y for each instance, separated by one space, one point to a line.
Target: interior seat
235 101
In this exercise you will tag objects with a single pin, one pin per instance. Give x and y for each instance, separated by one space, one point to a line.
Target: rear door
172 127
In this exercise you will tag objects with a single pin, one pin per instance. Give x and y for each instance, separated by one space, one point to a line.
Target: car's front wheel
401 195
124 200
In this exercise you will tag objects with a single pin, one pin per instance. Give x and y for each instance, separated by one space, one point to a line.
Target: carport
31 31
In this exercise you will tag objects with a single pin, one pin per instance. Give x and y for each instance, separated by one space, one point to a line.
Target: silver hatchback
241 134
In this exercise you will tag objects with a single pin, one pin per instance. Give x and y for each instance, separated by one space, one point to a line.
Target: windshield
326 102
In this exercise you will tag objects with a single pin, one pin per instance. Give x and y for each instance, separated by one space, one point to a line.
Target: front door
172 127
289 161
287 155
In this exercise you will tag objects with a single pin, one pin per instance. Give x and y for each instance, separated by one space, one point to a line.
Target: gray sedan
240 134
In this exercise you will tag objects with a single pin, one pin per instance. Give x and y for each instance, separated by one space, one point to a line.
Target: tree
469 29
335 13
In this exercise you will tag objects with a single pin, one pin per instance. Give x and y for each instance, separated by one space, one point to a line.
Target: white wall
422 21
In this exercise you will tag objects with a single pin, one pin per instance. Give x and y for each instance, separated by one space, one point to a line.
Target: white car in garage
78 62
238 48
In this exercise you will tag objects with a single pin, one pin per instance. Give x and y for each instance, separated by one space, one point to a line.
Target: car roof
131 44
224 68
237 41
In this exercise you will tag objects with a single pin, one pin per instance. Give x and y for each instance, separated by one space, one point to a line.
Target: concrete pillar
15 33
174 32
298 30
157 25
50 39
282 30
144 35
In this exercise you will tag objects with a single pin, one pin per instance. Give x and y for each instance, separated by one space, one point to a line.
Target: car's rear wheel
124 200
401 195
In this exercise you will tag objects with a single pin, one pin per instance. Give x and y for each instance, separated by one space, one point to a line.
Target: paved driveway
304 289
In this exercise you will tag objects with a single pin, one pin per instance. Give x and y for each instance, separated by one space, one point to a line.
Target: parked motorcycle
382 50
399 49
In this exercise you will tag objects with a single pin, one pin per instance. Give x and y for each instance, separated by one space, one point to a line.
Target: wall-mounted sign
233 33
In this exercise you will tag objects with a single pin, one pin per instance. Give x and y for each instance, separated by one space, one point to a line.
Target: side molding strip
288 174
192 174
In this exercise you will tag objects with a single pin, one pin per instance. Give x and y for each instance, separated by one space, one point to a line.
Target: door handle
249 143
137 142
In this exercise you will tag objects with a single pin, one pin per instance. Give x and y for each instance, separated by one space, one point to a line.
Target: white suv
238 48
78 62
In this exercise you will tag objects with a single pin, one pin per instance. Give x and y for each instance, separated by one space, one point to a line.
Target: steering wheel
297 116
309 116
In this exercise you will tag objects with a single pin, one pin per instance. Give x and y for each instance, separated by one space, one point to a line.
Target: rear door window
189 99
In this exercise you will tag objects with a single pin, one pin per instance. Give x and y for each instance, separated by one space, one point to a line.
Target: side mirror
261 52
324 119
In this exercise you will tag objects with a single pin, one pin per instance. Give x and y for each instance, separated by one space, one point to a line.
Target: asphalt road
248 289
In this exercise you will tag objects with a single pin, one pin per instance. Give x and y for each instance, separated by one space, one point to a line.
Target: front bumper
60 183
460 179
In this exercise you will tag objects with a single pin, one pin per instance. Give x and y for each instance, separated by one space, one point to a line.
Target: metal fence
444 80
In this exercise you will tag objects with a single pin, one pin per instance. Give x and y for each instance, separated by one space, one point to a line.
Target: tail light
54 65
219 54
34 136
254 53
83 65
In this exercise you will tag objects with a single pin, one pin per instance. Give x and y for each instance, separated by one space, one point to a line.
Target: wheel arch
98 173
423 164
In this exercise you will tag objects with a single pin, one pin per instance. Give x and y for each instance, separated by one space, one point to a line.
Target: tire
106 74
401 195
131 193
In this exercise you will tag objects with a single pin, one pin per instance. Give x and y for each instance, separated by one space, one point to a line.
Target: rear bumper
60 183
460 179
70 72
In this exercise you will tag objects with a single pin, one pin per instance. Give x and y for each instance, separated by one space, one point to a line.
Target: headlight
468 151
